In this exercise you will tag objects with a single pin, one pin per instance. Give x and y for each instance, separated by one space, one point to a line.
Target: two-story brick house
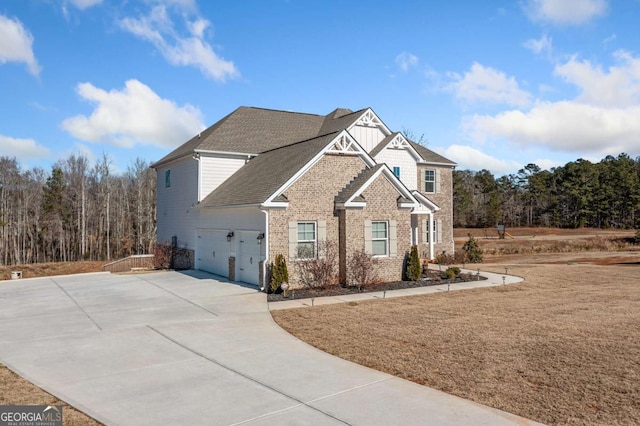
261 182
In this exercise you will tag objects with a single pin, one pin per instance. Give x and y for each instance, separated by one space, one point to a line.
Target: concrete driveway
188 348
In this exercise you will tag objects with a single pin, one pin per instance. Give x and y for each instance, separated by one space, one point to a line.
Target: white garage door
248 257
212 251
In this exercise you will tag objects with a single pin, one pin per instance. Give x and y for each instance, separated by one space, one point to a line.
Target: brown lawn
14 390
561 348
50 269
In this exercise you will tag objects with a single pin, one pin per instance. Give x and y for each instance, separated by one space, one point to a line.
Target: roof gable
431 157
351 195
396 141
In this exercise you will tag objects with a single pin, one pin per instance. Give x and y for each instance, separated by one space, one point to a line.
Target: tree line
77 211
579 194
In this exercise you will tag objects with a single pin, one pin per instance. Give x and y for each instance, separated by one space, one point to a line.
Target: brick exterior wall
311 198
444 200
381 198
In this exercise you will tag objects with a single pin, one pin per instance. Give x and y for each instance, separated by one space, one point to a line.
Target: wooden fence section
137 261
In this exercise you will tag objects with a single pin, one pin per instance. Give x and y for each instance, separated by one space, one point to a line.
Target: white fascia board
275 205
433 163
355 204
408 205
199 205
224 153
426 202
363 154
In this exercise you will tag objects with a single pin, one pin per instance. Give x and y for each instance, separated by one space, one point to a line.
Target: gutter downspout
265 242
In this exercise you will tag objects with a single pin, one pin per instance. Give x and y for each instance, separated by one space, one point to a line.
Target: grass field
561 348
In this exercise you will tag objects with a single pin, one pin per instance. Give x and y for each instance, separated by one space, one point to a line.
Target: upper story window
167 178
430 181
380 238
306 240
396 171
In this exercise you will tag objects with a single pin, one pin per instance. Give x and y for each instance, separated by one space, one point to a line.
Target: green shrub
472 250
637 238
414 268
452 272
279 273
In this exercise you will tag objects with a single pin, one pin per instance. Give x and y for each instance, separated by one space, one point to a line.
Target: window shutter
322 236
368 245
393 239
437 181
322 230
293 240
425 231
439 225
423 185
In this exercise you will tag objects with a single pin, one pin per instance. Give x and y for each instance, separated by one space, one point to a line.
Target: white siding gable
401 157
176 215
214 171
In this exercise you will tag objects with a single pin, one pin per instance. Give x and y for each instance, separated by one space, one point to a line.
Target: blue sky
490 84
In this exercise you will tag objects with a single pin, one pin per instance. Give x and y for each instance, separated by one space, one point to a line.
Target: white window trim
385 239
432 182
314 241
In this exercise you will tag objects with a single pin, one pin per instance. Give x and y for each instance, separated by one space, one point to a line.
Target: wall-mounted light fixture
230 236
260 237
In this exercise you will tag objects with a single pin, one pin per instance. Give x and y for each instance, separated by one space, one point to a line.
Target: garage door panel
212 251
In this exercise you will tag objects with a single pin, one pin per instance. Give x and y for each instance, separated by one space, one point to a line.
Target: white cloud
485 84
85 4
406 60
193 50
618 86
564 12
134 115
601 120
22 149
16 44
471 158
541 46
563 126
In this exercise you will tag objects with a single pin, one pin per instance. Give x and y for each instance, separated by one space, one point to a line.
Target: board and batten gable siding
367 137
215 170
400 158
175 213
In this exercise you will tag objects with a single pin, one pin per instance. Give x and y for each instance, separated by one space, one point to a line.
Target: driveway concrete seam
247 377
178 296
77 304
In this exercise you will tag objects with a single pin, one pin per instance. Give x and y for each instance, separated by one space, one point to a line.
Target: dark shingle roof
334 122
384 142
257 180
251 131
430 156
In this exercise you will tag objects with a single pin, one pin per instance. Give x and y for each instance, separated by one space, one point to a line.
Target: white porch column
431 242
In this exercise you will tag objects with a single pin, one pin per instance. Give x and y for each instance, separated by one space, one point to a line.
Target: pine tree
279 273
414 268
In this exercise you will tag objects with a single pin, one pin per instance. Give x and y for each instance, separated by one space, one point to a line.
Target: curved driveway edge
189 348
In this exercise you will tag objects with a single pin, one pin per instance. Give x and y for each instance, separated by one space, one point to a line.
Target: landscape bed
431 278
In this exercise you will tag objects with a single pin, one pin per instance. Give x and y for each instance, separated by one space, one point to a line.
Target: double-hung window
307 240
430 181
380 238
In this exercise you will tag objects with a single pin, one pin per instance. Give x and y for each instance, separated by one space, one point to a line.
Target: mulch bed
428 279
